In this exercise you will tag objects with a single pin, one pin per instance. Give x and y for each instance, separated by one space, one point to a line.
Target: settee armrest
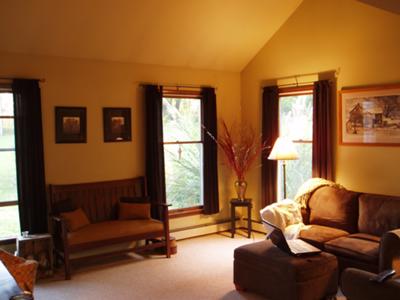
60 232
389 254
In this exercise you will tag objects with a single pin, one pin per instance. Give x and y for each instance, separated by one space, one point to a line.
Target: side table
40 248
240 203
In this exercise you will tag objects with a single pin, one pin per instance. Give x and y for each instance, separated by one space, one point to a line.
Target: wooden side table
240 203
40 248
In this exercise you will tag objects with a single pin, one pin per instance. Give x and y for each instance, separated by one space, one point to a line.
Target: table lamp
283 150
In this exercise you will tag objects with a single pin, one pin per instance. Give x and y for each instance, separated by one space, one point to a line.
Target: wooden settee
99 201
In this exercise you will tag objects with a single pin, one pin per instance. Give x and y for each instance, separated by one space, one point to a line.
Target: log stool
264 269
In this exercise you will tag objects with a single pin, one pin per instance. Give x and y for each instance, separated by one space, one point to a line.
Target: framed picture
117 124
70 124
370 116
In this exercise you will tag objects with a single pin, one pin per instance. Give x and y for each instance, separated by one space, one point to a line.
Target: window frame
288 92
185 93
8 239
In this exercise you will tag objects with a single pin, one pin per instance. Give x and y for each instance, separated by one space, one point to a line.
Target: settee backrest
98 200
333 207
378 213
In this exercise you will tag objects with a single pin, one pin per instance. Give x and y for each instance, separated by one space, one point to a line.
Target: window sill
7 241
184 212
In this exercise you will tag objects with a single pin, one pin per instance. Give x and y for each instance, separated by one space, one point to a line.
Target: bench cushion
104 231
133 211
75 219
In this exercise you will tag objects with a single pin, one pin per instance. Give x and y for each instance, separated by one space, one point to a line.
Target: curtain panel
29 156
155 171
210 161
322 133
270 132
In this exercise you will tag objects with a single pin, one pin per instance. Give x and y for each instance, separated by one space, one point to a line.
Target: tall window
295 122
9 216
183 152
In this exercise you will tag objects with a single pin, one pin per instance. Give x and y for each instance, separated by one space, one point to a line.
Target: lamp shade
283 150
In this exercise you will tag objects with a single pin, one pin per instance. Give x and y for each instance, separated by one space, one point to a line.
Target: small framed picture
117 124
70 124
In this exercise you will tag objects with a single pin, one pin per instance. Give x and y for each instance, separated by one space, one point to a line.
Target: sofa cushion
103 231
132 211
378 214
317 235
360 247
75 219
334 207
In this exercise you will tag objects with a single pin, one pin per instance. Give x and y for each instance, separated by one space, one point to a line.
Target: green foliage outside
296 114
9 221
8 179
9 217
183 162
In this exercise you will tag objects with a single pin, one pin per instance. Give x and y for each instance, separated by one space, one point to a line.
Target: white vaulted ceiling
203 34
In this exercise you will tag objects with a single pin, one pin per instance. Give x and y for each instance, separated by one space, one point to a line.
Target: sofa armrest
389 253
356 285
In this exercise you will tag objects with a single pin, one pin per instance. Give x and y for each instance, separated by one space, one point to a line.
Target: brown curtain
155 171
270 132
210 167
29 156
322 132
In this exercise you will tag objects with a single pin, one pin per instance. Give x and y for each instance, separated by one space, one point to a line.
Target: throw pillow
75 219
132 211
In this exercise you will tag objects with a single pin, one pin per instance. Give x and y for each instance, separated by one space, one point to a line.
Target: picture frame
370 116
70 124
117 124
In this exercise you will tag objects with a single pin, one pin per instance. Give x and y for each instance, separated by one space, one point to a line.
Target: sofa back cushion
334 207
378 213
98 200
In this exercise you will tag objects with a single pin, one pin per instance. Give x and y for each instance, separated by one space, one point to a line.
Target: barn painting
370 116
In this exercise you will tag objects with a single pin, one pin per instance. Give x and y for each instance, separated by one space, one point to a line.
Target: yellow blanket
308 187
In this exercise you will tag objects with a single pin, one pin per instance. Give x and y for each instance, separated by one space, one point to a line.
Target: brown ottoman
264 269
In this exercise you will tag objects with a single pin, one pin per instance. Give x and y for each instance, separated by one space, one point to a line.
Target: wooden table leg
232 221
249 222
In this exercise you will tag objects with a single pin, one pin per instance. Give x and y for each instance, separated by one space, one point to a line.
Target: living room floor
202 269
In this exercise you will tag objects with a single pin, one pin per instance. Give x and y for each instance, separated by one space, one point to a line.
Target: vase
240 187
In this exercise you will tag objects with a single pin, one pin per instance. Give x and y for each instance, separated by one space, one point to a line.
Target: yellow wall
97 84
364 42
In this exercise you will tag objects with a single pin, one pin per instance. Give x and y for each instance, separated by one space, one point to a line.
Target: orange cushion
75 219
132 211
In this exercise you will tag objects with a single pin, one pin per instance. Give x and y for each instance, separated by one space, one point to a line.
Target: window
183 152
9 215
295 122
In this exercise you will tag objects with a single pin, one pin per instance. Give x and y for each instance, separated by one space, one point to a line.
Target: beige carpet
202 269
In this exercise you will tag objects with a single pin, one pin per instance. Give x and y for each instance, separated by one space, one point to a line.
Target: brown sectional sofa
362 230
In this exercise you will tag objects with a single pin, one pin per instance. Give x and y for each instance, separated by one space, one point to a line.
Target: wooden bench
99 201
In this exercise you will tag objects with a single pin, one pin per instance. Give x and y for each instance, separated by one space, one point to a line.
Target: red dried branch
240 147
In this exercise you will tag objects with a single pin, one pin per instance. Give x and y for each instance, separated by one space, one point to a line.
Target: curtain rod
297 84
9 78
336 71
175 85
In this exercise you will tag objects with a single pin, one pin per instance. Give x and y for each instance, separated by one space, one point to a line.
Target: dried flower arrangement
240 146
